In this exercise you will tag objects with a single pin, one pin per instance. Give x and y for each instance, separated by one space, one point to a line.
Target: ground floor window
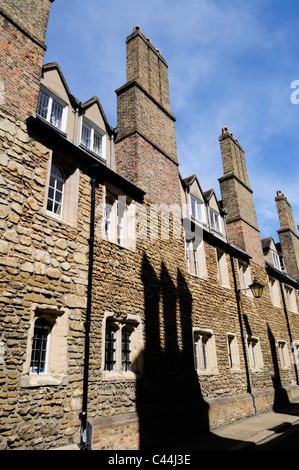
123 345
204 351
40 343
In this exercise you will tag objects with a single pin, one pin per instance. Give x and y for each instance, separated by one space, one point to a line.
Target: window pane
110 348
126 349
39 347
43 103
86 135
56 114
55 193
97 143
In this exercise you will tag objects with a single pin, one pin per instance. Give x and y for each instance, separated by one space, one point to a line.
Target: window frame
290 296
197 209
276 260
274 291
128 363
52 100
94 131
215 221
47 327
233 352
119 219
245 278
284 354
205 358
254 353
56 359
223 276
62 180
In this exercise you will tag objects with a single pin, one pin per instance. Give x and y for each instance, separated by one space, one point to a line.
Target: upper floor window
222 268
276 260
55 192
195 257
119 220
52 109
290 298
215 220
274 292
93 138
245 277
197 209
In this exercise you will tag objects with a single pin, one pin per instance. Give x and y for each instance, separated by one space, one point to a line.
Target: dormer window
93 138
197 209
215 220
276 260
52 109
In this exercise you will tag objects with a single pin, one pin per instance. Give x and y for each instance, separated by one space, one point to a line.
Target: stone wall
43 267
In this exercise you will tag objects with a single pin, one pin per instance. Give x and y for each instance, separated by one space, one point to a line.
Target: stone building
126 313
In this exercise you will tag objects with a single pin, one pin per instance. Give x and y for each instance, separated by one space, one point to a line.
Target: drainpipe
237 292
85 443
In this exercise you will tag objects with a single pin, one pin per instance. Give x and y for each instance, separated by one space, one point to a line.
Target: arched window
40 343
56 190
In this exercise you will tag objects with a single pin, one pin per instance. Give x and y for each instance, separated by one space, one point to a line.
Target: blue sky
231 63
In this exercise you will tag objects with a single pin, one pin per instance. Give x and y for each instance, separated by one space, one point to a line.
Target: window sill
43 380
93 154
60 131
115 375
60 220
207 372
122 247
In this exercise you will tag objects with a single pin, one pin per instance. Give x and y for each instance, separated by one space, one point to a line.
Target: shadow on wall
280 395
169 400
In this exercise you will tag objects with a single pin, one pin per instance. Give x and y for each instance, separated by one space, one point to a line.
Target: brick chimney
145 151
237 198
288 236
23 26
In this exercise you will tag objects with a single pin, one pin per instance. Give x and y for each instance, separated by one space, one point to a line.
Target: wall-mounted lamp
256 288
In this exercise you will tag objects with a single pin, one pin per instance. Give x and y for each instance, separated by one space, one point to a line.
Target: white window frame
274 291
195 258
48 328
215 220
119 220
53 174
254 353
52 100
222 268
276 260
245 278
291 300
94 131
233 352
284 354
205 360
132 324
197 209
56 365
